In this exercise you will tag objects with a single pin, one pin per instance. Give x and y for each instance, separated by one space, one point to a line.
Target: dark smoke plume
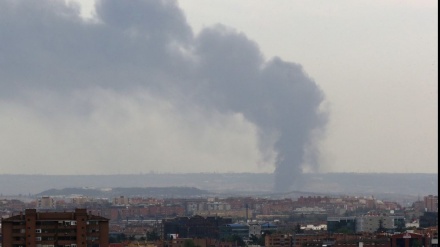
148 45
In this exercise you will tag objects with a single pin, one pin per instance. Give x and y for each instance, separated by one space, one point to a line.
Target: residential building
73 229
365 223
373 223
278 240
409 240
46 202
431 203
122 200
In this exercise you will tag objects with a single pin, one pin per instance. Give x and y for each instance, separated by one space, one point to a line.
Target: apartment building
431 203
46 202
54 229
365 223
372 223
278 240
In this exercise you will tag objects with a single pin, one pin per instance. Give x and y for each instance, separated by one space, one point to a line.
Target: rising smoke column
147 45
276 95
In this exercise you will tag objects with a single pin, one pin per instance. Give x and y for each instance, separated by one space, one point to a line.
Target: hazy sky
347 85
376 61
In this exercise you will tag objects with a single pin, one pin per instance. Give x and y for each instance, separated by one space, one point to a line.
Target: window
37 230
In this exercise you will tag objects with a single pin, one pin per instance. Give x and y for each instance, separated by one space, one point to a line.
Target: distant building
194 227
298 240
309 210
257 228
74 229
229 230
80 200
364 223
363 242
121 201
410 240
46 202
428 219
213 206
373 223
254 229
341 224
321 227
268 227
278 240
431 203
183 242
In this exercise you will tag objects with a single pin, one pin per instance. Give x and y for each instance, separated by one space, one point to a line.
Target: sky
376 61
219 86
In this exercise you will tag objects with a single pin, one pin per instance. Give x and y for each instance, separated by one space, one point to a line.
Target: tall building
53 229
431 203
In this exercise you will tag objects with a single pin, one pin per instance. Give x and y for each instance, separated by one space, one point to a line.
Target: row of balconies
50 231
15 227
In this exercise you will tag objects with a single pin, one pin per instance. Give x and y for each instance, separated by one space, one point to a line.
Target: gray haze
388 185
78 81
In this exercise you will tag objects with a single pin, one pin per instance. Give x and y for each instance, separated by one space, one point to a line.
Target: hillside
232 183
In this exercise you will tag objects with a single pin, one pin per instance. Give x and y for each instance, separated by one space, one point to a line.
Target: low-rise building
194 227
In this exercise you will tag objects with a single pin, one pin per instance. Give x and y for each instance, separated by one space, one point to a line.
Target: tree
400 226
381 227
